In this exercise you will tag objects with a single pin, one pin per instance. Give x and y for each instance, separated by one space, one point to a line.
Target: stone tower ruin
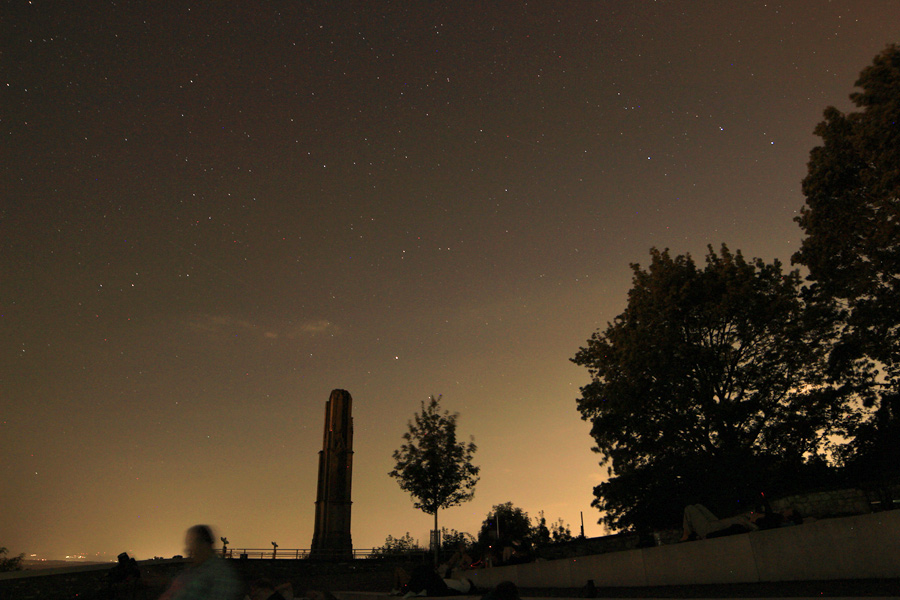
331 536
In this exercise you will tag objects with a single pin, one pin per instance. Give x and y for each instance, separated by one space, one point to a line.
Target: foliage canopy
507 523
504 524
852 250
707 388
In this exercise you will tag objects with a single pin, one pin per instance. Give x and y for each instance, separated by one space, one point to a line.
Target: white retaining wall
860 547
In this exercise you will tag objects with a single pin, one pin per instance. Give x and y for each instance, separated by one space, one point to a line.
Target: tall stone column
331 537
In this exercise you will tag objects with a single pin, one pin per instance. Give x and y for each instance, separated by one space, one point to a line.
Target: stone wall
826 504
843 502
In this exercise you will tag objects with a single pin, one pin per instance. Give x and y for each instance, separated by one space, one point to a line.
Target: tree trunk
436 541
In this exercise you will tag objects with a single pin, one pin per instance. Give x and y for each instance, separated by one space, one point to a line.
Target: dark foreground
786 589
375 576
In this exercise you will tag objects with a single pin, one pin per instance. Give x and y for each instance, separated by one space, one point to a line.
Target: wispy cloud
316 327
220 326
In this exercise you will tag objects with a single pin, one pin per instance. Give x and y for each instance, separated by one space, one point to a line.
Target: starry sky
214 213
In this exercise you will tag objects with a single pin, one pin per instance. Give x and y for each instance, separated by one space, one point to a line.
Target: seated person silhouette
699 522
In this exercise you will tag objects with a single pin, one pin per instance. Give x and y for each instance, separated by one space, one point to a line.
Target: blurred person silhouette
125 578
208 577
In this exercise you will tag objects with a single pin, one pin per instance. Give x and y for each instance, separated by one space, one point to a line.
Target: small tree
401 545
451 539
10 564
560 531
432 466
539 530
503 525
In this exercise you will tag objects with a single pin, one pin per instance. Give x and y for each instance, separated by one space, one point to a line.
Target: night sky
215 213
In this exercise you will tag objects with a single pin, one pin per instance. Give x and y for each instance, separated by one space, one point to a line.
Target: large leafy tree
707 388
852 249
432 465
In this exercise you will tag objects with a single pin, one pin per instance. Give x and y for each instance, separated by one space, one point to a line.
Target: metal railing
302 553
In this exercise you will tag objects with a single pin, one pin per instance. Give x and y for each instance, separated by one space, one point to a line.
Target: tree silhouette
401 545
852 225
505 524
708 388
10 564
432 466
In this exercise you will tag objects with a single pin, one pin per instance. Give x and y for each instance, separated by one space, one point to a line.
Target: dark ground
375 576
785 589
